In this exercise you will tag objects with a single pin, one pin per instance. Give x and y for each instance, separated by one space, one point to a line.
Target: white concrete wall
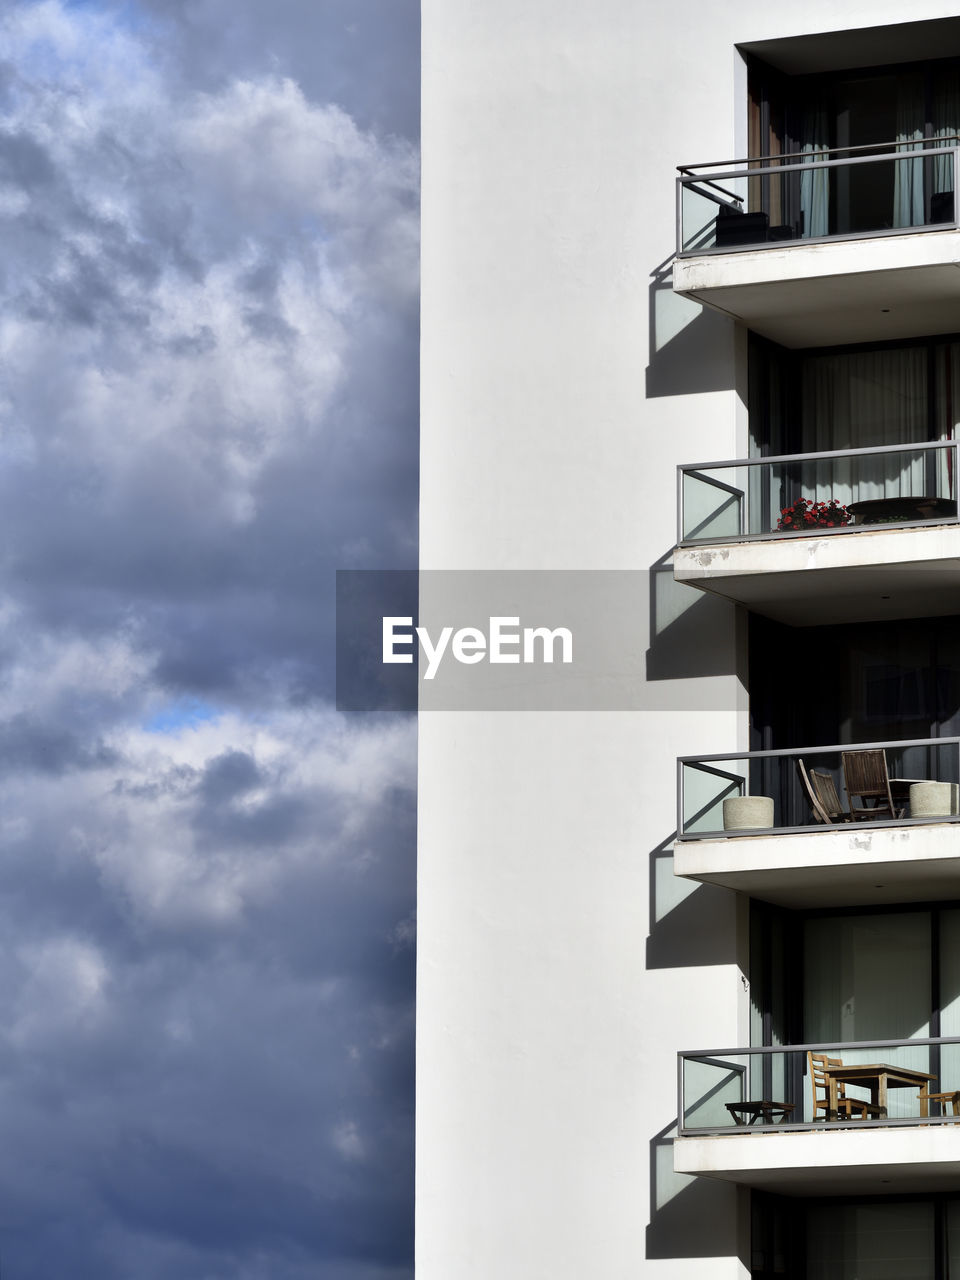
553 993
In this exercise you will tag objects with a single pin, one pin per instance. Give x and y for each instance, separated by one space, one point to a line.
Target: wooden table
878 1077
747 1113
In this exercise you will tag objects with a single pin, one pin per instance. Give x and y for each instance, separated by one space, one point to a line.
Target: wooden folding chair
822 793
865 776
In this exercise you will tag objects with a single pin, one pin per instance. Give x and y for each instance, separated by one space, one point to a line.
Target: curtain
815 185
870 1241
860 400
908 174
947 362
866 978
946 123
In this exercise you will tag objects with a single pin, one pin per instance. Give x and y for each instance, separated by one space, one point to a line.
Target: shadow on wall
691 347
689 1217
684 918
692 633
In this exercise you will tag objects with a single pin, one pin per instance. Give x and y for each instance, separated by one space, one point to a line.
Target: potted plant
806 514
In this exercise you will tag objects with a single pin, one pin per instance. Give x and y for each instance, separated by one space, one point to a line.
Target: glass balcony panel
704 205
818 1086
704 789
708 1085
820 194
775 776
713 506
819 494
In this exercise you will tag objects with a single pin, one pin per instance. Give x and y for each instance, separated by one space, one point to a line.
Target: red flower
805 513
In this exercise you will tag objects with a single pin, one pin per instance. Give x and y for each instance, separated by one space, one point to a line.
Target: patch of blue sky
128 12
183 713
92 40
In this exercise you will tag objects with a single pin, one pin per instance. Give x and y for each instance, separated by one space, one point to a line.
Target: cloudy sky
208 217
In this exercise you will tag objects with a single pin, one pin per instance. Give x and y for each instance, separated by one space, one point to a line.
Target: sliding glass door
867 978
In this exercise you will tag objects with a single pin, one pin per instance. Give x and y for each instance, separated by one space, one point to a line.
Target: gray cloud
207 404
363 54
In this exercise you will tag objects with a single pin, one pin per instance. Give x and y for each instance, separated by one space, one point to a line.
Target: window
889 1238
855 113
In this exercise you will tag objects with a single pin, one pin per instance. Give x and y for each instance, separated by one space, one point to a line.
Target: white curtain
946 122
908 174
856 401
947 401
815 185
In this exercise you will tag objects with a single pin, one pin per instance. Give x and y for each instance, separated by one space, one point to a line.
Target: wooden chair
846 1107
822 793
865 775
820 814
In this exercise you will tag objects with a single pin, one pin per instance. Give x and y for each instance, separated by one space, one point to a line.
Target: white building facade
649 1044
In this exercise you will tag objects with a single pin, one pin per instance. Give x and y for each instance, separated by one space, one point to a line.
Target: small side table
748 1113
952 1096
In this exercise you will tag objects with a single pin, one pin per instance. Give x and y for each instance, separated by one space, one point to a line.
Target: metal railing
704 782
875 1084
745 499
814 196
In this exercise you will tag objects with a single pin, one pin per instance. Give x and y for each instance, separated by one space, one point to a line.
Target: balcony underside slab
834 867
869 575
822 1162
803 295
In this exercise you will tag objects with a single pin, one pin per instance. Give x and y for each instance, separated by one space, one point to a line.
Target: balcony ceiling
859 46
869 575
804 295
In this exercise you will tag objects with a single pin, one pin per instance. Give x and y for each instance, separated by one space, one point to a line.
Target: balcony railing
878 1084
751 498
705 782
821 194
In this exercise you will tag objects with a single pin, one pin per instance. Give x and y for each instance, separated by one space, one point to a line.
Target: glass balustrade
822 193
831 1085
762 792
818 493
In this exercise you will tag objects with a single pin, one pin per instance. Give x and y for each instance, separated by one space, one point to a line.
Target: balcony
825 247
882 1119
887 544
802 861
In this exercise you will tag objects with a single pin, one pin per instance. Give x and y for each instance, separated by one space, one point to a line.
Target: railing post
679 505
680 796
679 214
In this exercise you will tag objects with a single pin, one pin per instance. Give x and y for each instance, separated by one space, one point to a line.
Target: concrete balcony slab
831 867
824 1162
863 575
857 290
